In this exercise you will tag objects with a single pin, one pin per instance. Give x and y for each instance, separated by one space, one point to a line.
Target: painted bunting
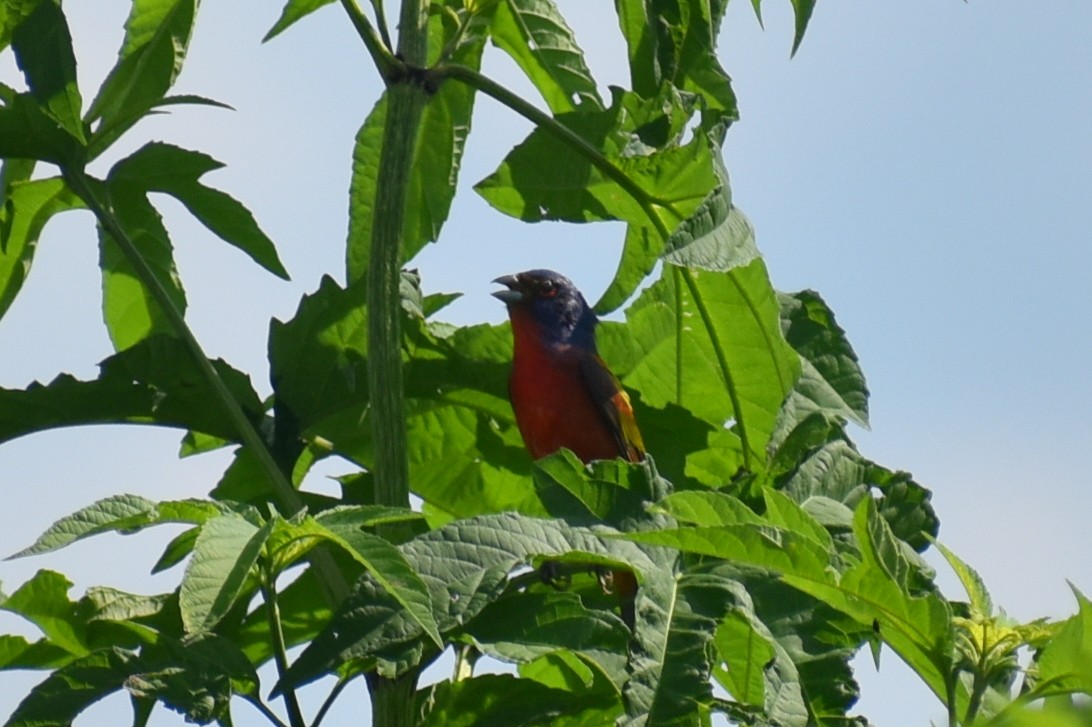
562 392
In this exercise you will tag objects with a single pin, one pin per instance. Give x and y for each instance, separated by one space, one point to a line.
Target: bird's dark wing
613 402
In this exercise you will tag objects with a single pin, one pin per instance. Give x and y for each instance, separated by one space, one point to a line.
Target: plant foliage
769 550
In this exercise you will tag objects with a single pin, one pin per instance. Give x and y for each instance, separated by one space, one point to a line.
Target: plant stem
265 710
722 363
378 47
336 587
280 652
392 699
329 701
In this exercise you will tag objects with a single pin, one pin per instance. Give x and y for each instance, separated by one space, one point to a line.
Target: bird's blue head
562 315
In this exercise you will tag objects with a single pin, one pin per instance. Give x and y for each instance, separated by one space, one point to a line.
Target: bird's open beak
513 294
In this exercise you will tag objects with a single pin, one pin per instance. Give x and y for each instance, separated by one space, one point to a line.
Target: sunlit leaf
465 565
159 167
226 550
157 35
43 600
29 205
433 172
131 311
537 37
293 11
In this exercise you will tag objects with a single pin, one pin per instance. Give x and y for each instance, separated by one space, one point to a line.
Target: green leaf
159 167
13 12
837 471
745 652
802 10
714 236
503 699
525 626
610 491
224 554
29 205
832 381
73 688
674 41
535 35
157 34
18 653
811 676
434 171
43 600
707 509
43 50
317 358
127 513
293 10
670 664
130 311
1066 660
762 546
877 590
154 382
196 677
544 178
712 343
977 594
28 132
382 560
465 566
303 609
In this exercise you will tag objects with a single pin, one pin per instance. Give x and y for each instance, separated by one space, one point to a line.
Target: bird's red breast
553 400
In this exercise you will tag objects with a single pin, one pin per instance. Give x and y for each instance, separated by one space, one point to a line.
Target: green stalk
532 113
378 47
392 699
722 363
334 583
280 652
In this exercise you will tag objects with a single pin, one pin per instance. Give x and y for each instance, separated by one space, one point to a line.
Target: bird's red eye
548 289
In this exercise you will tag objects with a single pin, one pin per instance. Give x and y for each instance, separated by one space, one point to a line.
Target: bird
562 393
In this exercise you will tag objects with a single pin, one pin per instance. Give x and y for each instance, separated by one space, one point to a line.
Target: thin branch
378 47
648 202
289 499
329 701
381 21
280 651
722 363
262 707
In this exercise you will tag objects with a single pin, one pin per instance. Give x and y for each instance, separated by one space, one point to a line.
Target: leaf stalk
78 181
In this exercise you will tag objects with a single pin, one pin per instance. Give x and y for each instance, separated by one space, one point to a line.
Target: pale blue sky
926 166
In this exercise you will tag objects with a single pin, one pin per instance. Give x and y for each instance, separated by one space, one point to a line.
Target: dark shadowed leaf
73 688
43 50
502 699
832 381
